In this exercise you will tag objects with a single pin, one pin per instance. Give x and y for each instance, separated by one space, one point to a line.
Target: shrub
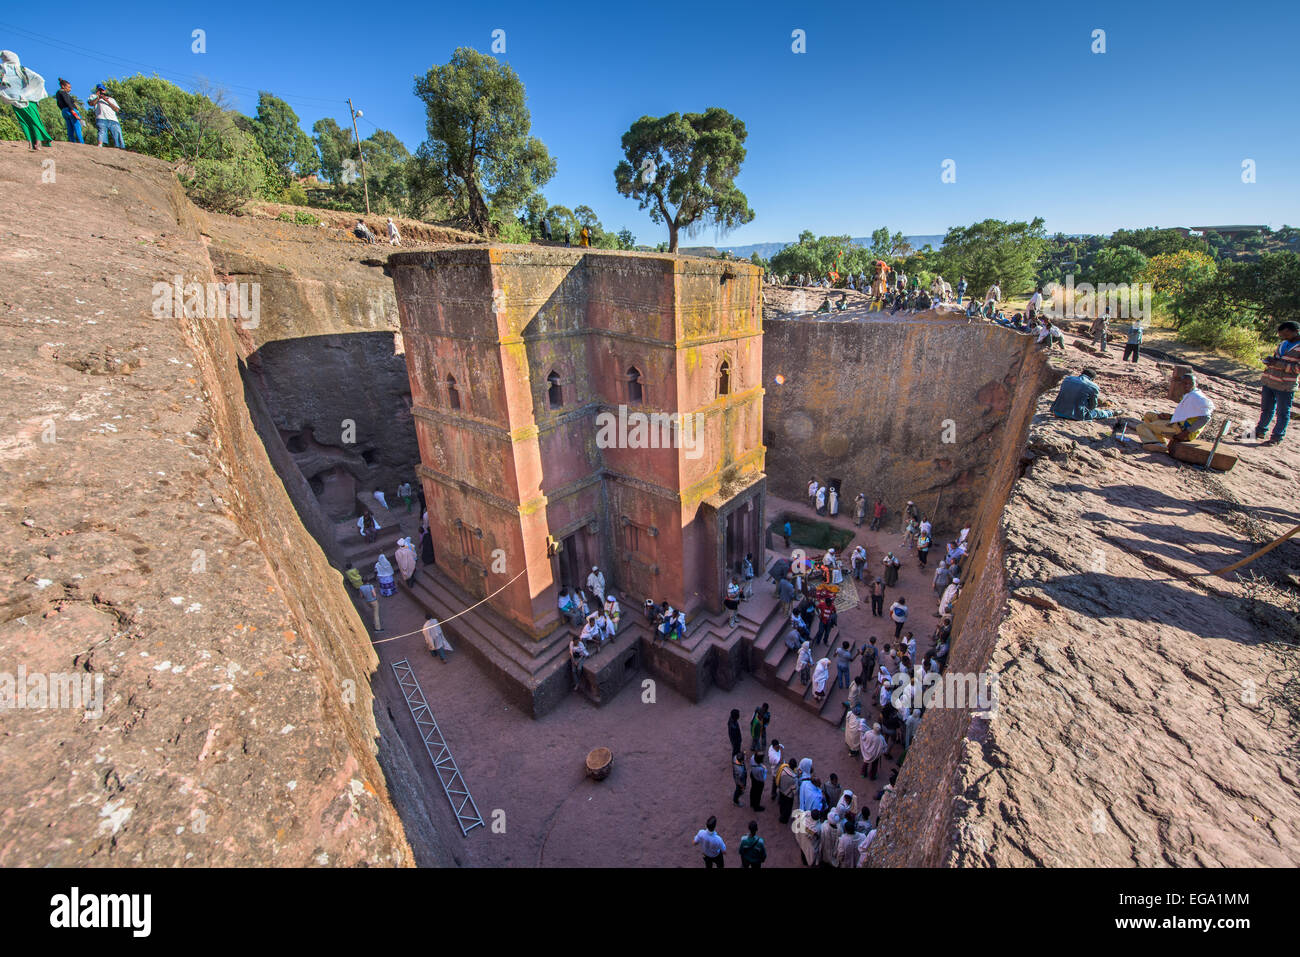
513 231
294 194
1239 342
237 173
299 218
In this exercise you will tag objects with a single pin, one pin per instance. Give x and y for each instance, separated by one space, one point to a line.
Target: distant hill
768 250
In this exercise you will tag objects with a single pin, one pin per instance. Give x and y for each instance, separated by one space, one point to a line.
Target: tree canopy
682 168
993 251
1175 277
1117 264
479 145
816 256
1151 241
282 140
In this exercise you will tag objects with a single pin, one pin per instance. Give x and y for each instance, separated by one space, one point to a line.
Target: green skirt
29 118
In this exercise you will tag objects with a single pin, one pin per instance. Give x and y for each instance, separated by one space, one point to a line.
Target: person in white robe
435 640
596 585
821 677
949 596
1192 413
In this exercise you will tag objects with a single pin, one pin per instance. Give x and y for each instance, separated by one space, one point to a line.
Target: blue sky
846 137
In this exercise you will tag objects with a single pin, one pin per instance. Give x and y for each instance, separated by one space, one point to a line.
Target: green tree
816 256
1117 264
277 132
564 224
1260 292
888 247
479 146
334 147
994 251
237 172
386 173
1151 241
1178 279
626 240
682 167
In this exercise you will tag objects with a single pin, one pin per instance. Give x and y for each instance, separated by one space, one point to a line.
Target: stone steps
535 674
362 554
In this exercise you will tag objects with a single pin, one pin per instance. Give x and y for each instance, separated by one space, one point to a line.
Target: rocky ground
147 545
1148 708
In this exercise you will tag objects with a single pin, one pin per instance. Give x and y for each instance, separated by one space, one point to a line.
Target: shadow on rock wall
342 405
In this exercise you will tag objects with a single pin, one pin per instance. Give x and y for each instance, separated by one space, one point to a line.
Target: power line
117 61
463 611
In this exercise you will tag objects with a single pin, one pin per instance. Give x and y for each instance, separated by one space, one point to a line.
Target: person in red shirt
826 614
877 515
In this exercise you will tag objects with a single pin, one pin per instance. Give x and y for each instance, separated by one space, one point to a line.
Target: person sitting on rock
591 632
1077 398
362 232
1193 413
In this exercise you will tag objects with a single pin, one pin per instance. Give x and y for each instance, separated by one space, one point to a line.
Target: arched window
724 378
453 396
635 391
554 394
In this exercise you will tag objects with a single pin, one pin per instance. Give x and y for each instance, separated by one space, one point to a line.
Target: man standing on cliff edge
1278 384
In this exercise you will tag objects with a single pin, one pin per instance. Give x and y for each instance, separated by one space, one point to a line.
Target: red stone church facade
544 384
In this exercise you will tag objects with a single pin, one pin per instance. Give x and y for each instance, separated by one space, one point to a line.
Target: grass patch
814 535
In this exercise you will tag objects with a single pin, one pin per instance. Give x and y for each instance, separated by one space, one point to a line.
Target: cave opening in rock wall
340 406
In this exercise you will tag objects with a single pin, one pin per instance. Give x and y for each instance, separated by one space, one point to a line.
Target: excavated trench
341 405
1116 703
922 408
926 408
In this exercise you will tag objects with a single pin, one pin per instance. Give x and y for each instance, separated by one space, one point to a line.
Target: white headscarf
18 86
821 675
382 567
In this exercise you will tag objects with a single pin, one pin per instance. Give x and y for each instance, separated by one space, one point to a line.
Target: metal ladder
462 802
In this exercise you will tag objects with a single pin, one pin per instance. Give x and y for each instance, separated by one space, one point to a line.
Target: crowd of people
883 704
380 581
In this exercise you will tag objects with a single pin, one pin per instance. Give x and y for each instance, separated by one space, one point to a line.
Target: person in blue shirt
711 844
1077 398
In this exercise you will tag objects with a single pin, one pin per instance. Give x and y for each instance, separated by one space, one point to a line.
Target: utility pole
360 152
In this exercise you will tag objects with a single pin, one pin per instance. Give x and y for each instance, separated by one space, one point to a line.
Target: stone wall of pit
904 408
917 830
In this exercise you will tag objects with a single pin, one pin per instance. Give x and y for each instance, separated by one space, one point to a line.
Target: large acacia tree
478 136
682 167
